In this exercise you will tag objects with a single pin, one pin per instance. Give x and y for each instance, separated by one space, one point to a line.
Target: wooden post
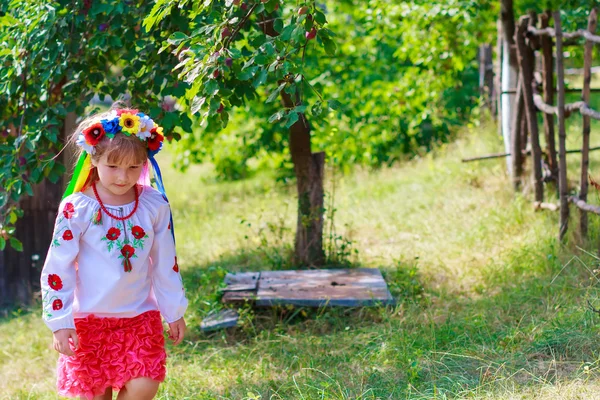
548 86
516 137
525 59
498 77
562 135
585 148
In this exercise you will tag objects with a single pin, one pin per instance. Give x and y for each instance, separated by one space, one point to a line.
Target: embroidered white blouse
86 269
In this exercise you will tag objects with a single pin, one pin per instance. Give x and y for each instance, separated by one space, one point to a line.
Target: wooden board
241 281
316 288
223 319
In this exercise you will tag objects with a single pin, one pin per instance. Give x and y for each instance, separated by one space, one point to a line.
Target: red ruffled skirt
113 351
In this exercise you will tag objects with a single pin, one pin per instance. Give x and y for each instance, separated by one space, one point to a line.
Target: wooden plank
241 281
238 296
562 135
223 319
316 288
585 148
515 137
526 59
548 87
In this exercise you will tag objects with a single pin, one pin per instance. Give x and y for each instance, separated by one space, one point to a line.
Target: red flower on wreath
138 232
176 266
55 282
113 233
127 251
68 235
155 140
57 304
94 134
69 210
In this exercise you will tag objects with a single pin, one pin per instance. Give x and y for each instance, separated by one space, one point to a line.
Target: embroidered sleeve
166 280
59 274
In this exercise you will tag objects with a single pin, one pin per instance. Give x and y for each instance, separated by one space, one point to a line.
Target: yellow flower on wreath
130 123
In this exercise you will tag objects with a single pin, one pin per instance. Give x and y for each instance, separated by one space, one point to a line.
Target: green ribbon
76 174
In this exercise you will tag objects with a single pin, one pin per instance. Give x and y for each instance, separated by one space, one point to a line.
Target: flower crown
128 122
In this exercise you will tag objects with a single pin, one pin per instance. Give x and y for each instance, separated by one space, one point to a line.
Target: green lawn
490 305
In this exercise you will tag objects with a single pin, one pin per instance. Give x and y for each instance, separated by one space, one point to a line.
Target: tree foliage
381 80
55 56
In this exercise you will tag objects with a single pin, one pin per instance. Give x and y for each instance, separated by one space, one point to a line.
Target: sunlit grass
486 307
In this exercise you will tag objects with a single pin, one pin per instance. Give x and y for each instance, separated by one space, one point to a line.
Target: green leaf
177 37
276 92
16 244
2 243
319 17
277 116
260 78
287 32
329 45
292 119
333 104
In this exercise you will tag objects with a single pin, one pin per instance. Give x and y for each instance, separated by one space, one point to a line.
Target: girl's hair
121 149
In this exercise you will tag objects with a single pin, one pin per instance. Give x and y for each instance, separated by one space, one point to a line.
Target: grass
490 305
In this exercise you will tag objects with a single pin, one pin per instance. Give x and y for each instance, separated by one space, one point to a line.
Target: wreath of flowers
128 122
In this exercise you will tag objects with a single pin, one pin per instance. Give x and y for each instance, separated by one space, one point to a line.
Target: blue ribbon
161 188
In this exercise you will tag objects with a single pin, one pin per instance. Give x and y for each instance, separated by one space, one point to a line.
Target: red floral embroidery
113 234
57 304
55 282
94 134
138 232
68 235
127 251
176 266
69 210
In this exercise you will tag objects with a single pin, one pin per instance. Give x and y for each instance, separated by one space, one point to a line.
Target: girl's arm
166 280
59 274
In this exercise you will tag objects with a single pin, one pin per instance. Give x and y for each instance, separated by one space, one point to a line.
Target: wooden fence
544 38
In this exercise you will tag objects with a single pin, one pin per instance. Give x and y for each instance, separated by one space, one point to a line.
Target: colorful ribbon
161 188
80 174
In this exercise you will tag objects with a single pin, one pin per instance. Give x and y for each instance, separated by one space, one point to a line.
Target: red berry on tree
220 109
311 35
216 73
225 32
244 6
229 61
302 10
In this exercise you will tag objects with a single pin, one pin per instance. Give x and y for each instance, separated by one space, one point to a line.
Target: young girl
111 270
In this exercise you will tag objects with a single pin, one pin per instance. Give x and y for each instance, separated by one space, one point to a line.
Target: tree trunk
309 169
309 182
20 271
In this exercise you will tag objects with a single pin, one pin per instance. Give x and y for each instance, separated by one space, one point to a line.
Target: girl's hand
176 331
61 341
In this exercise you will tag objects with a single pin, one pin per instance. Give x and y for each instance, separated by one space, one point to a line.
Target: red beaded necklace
137 198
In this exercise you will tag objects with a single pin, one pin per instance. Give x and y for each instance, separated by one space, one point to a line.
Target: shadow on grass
528 325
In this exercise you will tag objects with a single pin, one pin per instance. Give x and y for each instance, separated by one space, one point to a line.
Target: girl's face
118 179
